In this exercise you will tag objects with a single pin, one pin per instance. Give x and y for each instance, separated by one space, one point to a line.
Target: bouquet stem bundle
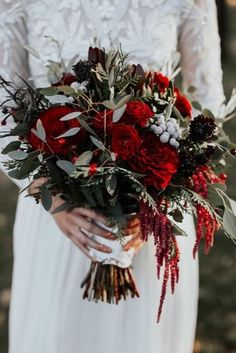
108 283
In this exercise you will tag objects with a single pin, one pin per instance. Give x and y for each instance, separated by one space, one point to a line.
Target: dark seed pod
202 129
187 164
82 70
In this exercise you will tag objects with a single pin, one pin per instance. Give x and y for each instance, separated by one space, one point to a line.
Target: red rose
125 141
161 81
182 104
54 127
158 161
99 120
137 113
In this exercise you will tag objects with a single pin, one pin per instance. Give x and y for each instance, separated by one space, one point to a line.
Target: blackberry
202 128
82 70
187 164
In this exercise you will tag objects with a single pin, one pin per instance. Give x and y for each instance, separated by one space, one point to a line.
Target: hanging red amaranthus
167 252
207 223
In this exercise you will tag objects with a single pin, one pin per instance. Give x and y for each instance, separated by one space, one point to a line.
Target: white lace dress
47 313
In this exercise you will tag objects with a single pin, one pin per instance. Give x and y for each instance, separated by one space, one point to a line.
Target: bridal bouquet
111 137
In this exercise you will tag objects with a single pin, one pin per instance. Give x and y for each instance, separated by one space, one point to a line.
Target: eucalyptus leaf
70 116
40 131
197 105
18 155
97 143
49 91
177 215
55 72
84 158
20 129
178 230
67 90
123 101
69 133
207 113
118 113
86 126
57 99
109 104
168 111
27 167
46 197
89 197
67 166
12 146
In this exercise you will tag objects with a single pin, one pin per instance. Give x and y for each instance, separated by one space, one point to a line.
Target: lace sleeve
13 57
199 45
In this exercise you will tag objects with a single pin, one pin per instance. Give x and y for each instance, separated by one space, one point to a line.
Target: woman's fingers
83 249
136 244
82 222
132 230
133 242
34 187
80 238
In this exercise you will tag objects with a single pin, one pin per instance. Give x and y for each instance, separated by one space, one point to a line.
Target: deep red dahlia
125 141
158 161
54 127
183 104
137 113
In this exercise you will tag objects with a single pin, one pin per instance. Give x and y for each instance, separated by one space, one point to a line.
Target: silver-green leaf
69 133
97 143
67 166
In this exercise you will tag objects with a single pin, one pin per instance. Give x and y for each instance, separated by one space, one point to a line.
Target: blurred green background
216 331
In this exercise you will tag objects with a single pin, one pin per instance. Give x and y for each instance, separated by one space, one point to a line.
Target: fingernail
110 236
105 248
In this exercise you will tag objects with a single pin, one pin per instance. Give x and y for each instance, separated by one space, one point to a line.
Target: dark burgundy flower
137 113
125 141
158 161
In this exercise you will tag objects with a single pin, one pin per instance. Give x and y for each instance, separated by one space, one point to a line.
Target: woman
47 312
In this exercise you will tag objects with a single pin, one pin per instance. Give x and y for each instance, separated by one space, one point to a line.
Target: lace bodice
153 31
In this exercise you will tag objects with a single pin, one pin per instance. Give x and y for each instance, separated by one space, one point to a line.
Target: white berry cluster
167 130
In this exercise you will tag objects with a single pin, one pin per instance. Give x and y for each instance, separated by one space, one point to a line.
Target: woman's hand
78 225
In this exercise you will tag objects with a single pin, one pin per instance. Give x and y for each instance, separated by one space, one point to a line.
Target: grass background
216 330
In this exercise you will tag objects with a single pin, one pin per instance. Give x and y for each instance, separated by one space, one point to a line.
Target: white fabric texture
47 313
